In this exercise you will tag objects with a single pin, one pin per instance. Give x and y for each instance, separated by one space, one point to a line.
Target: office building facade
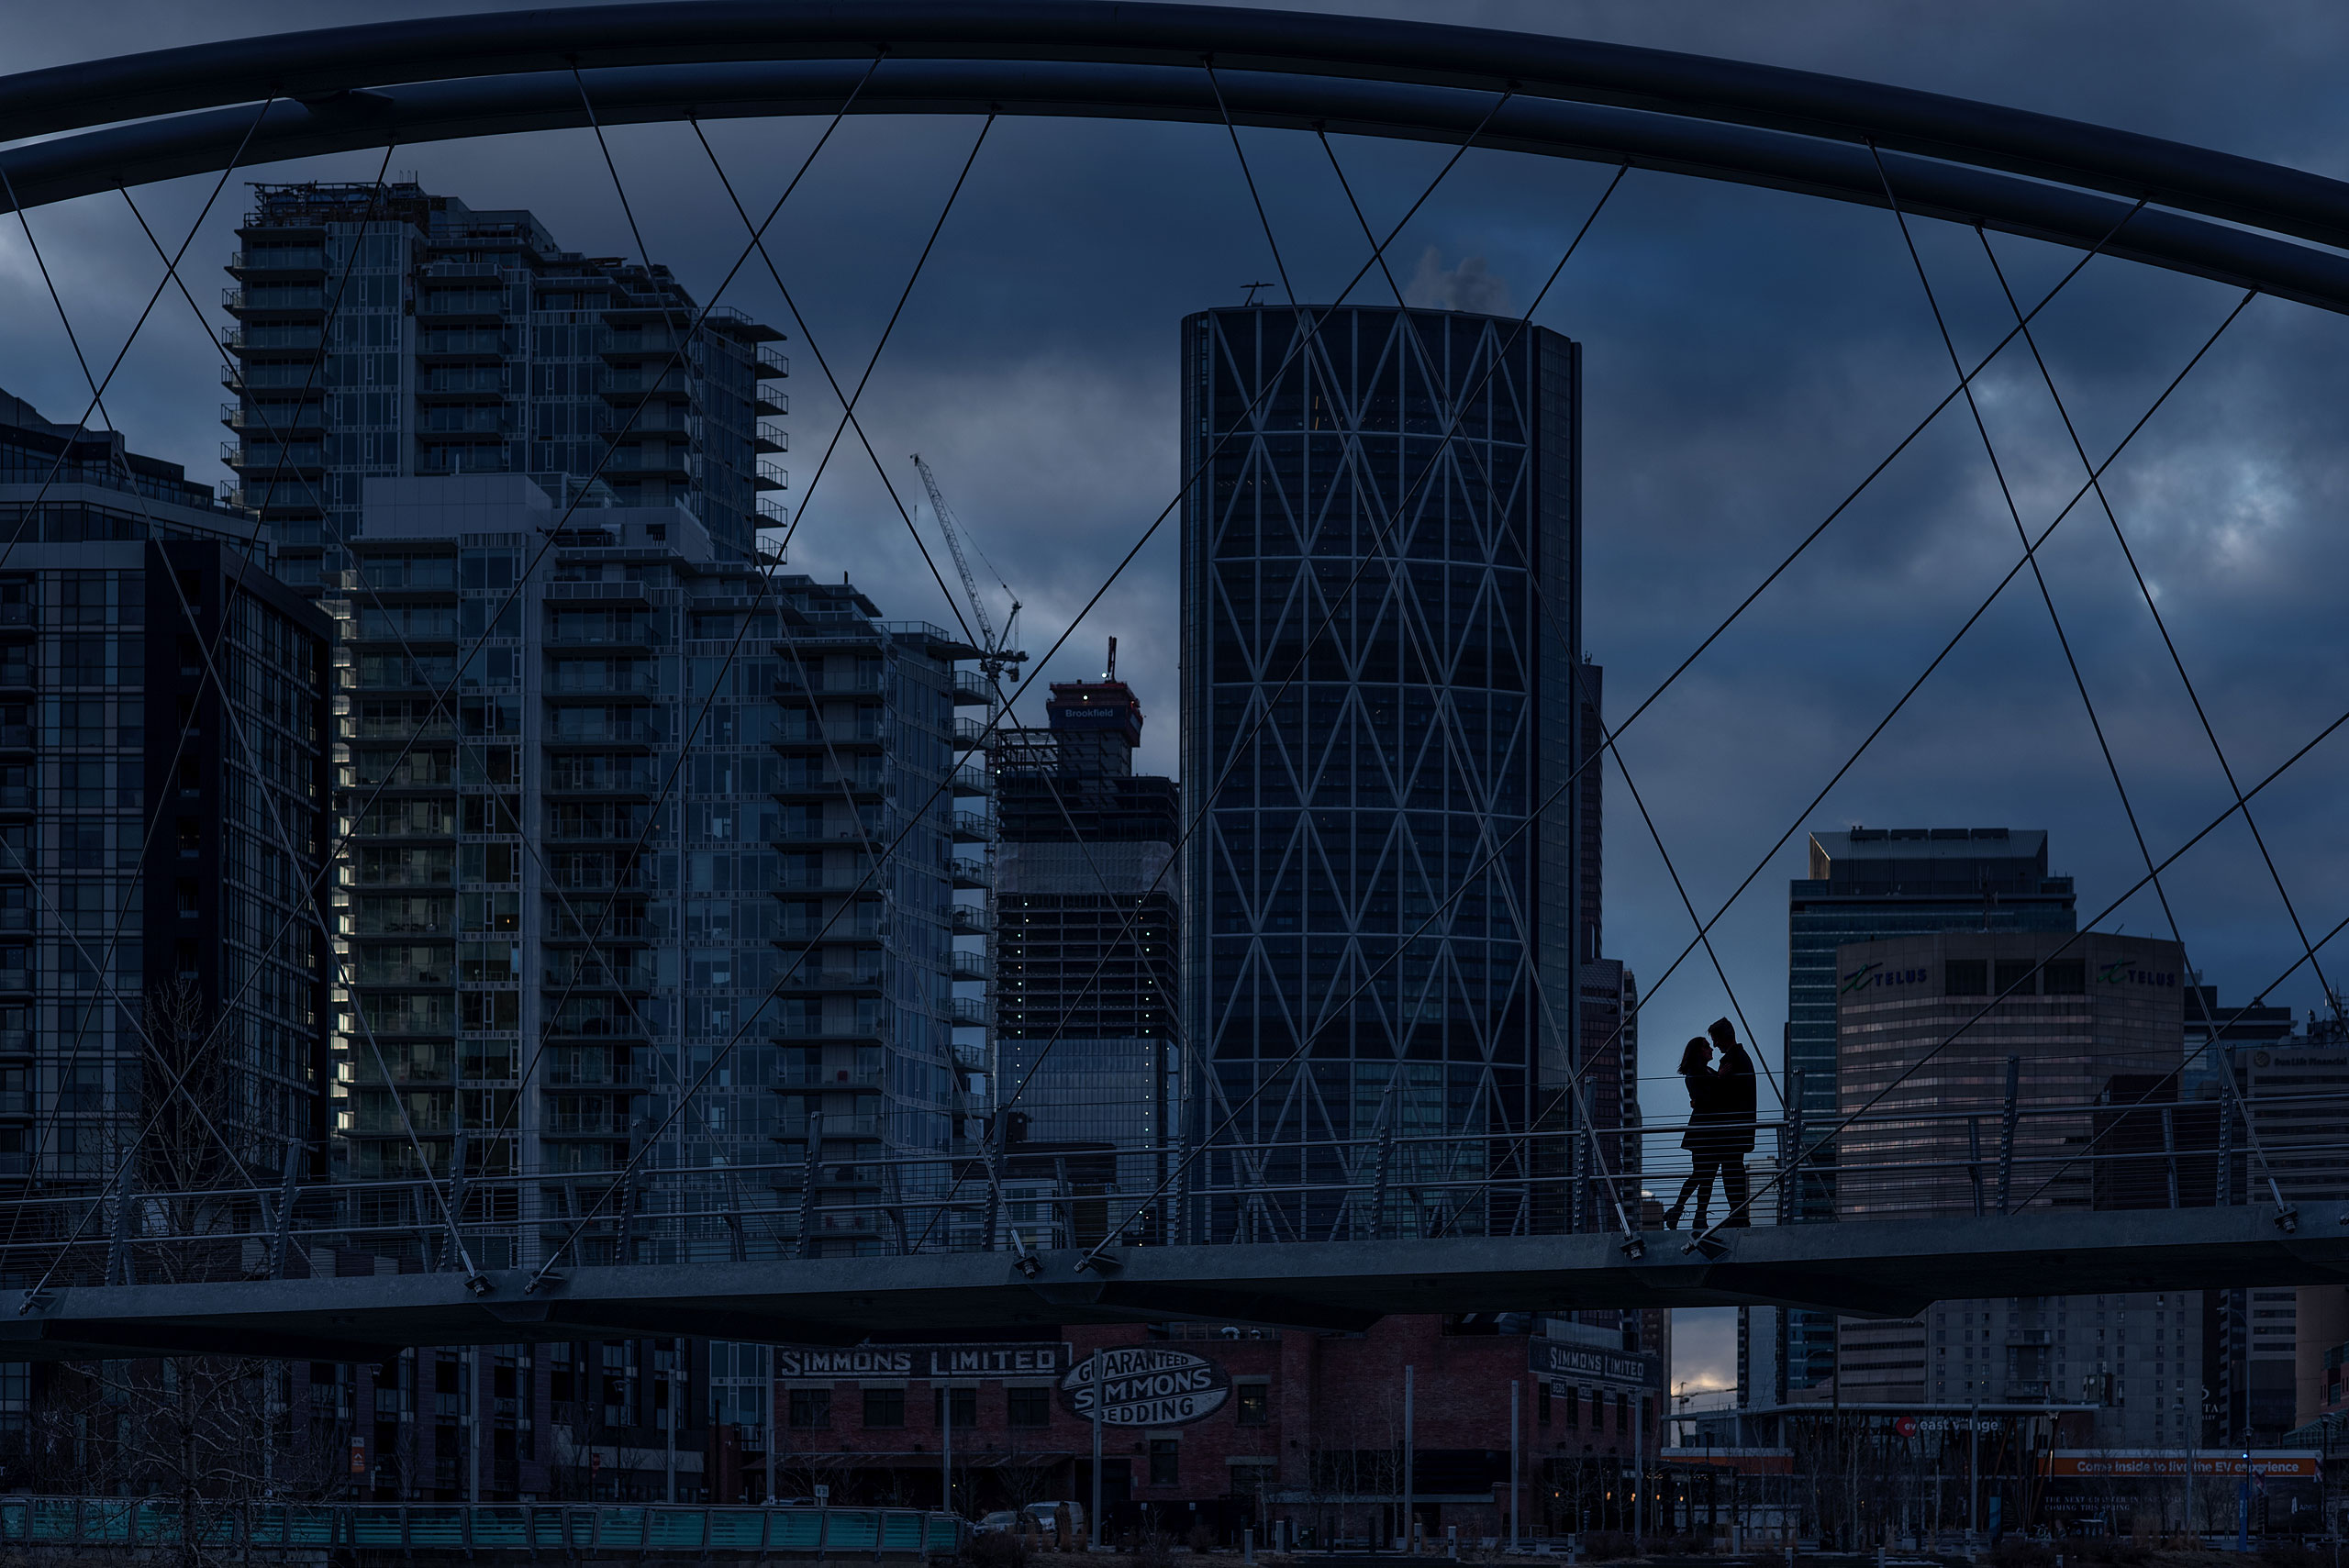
382 331
1866 884
1381 630
1938 1037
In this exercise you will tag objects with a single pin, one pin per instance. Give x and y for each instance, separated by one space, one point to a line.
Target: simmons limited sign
1146 1385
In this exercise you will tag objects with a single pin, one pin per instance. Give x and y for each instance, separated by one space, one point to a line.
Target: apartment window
1966 977
1255 1404
811 1408
884 1406
1027 1407
966 1407
1540 1404
1165 1462
2014 977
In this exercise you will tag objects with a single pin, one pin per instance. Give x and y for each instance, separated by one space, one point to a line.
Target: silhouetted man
1738 1117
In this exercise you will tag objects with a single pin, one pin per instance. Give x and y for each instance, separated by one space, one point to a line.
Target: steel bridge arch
143 118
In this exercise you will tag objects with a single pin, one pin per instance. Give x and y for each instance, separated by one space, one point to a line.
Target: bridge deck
1889 1268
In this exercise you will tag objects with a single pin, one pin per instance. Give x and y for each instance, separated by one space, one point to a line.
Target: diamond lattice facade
1382 890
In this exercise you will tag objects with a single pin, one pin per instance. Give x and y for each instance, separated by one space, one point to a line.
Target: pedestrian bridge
1891 1268
1898 1212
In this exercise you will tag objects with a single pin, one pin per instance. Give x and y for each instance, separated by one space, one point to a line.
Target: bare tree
217 1433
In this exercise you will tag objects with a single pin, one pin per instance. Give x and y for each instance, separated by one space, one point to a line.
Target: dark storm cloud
1749 357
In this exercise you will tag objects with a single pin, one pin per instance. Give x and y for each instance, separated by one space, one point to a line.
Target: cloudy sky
1749 356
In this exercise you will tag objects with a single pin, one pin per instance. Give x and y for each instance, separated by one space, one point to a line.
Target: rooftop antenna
1252 289
1112 673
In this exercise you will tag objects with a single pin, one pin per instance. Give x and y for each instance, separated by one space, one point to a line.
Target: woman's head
1698 1057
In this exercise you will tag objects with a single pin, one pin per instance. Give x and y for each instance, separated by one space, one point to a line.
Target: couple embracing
1721 1125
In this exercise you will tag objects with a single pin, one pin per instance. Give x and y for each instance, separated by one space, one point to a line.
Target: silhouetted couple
1721 1125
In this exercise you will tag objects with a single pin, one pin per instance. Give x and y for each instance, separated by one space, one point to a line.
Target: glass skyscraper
1381 623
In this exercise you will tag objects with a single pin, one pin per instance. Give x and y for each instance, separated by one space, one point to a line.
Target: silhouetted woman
1706 1139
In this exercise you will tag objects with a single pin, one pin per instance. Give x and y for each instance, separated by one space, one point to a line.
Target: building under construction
1085 1030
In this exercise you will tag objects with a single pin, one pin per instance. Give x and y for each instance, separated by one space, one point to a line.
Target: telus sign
1146 1385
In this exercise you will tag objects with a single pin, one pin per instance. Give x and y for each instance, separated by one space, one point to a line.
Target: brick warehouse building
1224 1428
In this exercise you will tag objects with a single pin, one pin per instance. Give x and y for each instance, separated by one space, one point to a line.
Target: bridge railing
1992 1157
573 1527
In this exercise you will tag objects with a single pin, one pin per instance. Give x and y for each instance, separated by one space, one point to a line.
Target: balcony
631 680
823 684
463 381
274 297
802 879
807 979
818 836
279 260
467 422
772 437
969 966
851 1033
631 386
815 1078
270 420
270 457
974 828
773 366
448 307
970 920
971 688
773 476
968 871
277 339
823 783
453 343
845 737
967 1013
973 781
846 929
625 346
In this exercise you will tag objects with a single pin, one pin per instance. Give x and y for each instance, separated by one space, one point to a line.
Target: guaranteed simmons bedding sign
1146 1385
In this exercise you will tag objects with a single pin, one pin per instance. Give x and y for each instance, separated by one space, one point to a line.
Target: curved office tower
1380 616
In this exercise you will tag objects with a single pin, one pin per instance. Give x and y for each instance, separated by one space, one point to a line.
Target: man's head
1724 1033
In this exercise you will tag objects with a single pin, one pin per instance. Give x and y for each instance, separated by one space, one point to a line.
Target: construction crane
997 658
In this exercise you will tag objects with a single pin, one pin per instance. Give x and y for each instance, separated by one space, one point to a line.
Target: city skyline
1065 427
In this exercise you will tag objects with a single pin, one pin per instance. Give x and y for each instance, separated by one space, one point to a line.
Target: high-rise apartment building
384 332
164 731
1939 1037
1086 1037
1866 884
681 823
1381 630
